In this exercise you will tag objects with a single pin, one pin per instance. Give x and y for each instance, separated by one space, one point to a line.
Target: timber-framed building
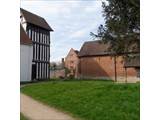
38 30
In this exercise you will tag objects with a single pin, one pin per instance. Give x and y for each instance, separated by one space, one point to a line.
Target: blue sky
72 21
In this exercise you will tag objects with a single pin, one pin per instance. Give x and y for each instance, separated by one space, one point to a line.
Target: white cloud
85 31
48 7
78 34
72 22
96 5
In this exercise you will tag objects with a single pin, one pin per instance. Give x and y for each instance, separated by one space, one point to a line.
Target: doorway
33 71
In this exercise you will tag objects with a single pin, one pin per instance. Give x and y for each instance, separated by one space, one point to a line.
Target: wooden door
33 71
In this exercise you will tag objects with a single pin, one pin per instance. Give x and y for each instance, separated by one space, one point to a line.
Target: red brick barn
96 62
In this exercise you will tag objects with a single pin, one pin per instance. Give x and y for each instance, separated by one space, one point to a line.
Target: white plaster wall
25 62
23 23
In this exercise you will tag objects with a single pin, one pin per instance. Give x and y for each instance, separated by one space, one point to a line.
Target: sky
71 20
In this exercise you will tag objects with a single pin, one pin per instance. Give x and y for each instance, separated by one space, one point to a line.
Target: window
33 35
29 33
37 36
35 49
40 38
40 52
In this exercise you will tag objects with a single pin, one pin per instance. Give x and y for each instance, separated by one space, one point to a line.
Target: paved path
35 110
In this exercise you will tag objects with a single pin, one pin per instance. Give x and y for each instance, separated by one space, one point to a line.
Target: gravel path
35 110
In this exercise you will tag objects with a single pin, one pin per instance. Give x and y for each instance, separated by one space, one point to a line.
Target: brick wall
57 73
71 61
103 67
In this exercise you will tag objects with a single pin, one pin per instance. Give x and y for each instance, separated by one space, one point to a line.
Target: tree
53 65
122 26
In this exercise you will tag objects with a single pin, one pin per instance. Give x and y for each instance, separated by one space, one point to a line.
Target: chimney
62 62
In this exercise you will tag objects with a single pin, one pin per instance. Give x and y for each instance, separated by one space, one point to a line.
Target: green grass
90 100
22 117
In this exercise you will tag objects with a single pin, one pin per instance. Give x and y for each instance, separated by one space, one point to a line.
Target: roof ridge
91 41
35 19
32 13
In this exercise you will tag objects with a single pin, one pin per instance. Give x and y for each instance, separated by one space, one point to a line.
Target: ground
35 110
22 117
89 100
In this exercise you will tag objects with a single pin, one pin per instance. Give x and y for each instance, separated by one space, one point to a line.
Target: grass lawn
90 100
22 117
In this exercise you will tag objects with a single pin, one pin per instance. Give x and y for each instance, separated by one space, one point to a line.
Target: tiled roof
24 39
35 19
97 48
93 48
76 51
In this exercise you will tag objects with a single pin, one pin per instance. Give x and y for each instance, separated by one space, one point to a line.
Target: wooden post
115 68
125 75
49 57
